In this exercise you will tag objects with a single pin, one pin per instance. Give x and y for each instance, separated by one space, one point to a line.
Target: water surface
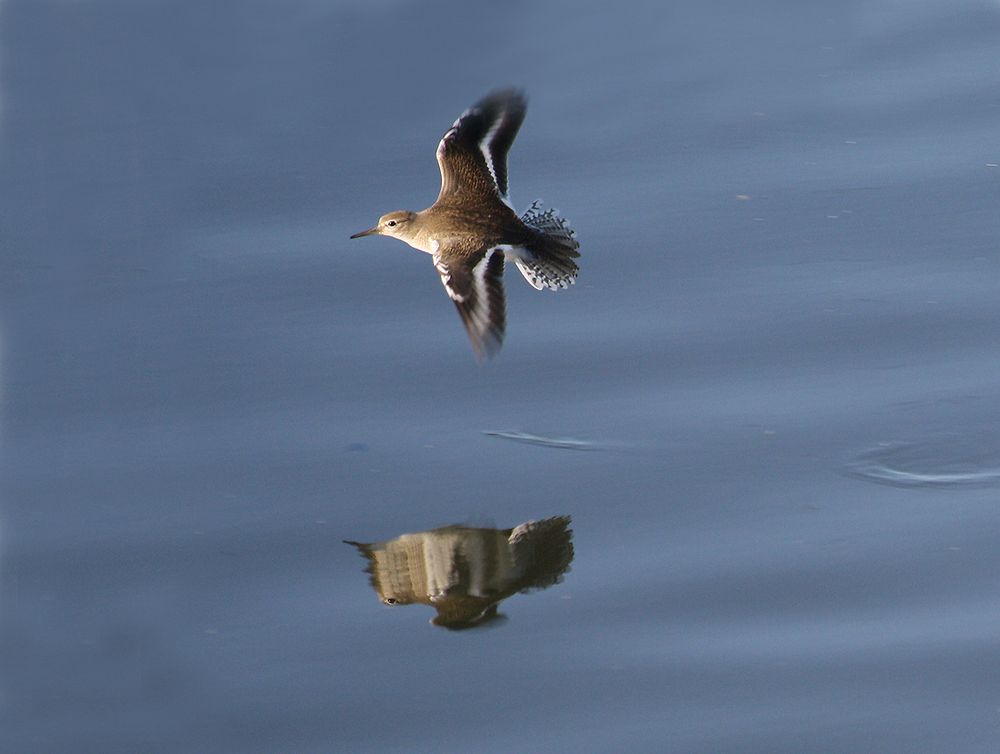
788 216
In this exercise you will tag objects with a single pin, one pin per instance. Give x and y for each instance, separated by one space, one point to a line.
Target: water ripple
563 443
947 461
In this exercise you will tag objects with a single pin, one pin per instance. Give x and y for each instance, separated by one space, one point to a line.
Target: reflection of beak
366 232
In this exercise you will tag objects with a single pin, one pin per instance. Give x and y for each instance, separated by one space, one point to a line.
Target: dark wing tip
504 111
485 343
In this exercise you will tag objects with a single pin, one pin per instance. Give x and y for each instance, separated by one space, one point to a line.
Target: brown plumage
471 229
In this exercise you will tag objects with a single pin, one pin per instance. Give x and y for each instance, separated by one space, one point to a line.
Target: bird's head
393 224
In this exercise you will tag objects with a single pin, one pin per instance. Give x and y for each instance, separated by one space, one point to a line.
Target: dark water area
770 406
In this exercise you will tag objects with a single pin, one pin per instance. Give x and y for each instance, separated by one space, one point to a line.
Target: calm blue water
784 350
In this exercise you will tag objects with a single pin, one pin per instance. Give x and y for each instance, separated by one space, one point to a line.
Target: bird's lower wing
475 283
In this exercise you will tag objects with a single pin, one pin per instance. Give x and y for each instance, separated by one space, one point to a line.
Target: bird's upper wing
474 281
472 154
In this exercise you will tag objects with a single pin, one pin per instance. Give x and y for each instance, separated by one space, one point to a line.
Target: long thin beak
366 232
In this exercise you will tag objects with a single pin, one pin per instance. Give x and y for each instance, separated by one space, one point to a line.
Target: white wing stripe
484 147
445 274
481 314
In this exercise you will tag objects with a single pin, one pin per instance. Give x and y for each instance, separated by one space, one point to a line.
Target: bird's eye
391 223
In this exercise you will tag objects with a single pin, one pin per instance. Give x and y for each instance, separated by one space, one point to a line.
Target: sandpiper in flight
472 227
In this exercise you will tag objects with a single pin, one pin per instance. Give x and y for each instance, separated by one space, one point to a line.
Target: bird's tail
550 264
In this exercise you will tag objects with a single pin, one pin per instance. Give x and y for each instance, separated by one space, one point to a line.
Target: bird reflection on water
465 572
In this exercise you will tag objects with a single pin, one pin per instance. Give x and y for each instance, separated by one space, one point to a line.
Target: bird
465 572
472 227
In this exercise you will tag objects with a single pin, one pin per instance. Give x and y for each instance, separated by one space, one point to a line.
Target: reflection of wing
456 569
395 570
542 551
